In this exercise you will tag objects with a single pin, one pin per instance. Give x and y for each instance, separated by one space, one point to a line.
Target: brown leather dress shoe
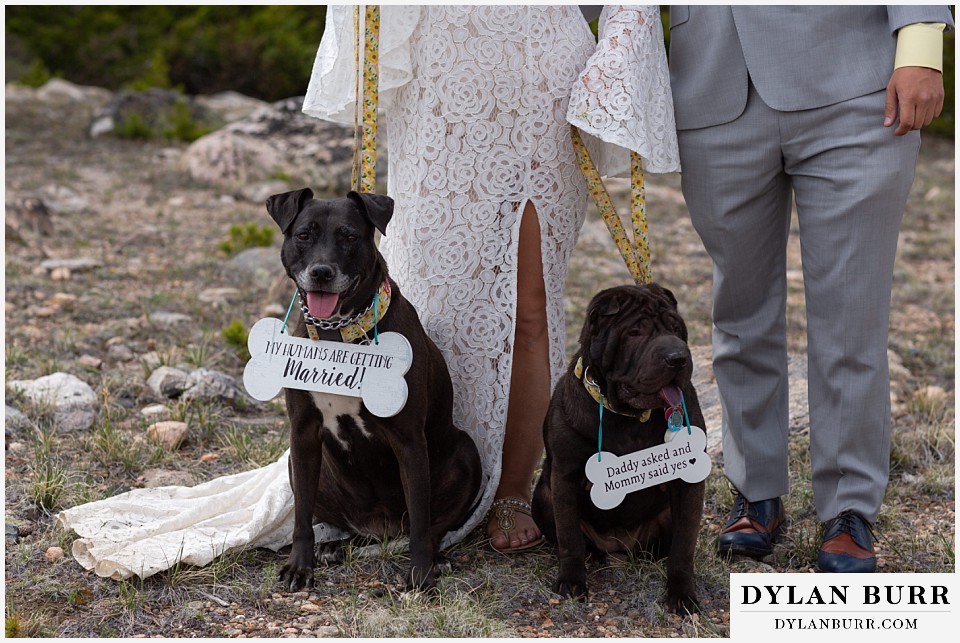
847 546
752 527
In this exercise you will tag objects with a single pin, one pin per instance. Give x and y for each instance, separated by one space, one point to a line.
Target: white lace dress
476 102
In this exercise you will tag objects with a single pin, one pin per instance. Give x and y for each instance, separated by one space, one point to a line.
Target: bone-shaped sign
613 476
372 372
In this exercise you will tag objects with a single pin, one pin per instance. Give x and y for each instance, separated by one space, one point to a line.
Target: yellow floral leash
364 175
635 254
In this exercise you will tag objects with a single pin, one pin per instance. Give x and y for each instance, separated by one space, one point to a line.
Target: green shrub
246 236
235 335
134 127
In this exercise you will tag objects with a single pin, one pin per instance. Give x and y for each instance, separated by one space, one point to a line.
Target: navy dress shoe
752 527
847 546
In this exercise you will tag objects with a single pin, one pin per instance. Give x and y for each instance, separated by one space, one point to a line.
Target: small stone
54 554
77 265
90 361
12 534
60 274
154 412
167 381
167 318
120 353
209 457
309 607
168 434
327 631
44 311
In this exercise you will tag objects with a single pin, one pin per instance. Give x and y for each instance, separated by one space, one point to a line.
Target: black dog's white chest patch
332 408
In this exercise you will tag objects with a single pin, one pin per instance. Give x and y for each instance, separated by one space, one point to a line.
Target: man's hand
915 95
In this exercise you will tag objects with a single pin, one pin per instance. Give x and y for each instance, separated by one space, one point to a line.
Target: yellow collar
594 390
357 328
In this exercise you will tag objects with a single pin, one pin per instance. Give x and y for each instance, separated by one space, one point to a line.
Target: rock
232 106
168 382
260 191
74 402
120 353
14 420
57 90
152 478
207 385
12 534
259 265
157 109
168 434
155 412
209 457
166 318
218 296
278 139
90 361
53 554
73 265
63 200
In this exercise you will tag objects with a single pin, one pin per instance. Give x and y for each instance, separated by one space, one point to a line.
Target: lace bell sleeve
623 95
331 92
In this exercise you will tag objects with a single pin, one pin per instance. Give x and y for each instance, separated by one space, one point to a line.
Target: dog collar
594 390
352 328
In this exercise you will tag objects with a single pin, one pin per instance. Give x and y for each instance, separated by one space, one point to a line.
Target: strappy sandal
505 510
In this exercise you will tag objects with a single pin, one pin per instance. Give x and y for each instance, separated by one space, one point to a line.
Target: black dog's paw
571 588
422 580
295 579
682 603
442 565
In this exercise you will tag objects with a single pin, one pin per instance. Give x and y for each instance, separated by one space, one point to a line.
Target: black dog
633 347
414 473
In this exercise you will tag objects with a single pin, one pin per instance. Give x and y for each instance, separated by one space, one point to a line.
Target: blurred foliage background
265 52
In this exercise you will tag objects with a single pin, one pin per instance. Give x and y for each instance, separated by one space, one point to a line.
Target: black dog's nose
322 272
676 360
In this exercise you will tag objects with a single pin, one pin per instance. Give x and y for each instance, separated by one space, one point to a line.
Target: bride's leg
529 386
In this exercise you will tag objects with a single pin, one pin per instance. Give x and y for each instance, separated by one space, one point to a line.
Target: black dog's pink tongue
322 304
671 395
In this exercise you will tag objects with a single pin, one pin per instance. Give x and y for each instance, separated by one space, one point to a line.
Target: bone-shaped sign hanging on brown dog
613 477
373 372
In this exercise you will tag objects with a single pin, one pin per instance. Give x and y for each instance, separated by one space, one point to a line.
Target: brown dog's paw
575 588
295 577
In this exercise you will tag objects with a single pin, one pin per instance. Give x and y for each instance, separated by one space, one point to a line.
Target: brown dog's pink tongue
322 304
671 395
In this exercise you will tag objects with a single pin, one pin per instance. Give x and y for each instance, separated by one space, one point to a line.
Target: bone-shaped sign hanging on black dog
372 372
613 477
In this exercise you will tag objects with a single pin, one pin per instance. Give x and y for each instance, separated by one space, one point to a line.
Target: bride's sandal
505 510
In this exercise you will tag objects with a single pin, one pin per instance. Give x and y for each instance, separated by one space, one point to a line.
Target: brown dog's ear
377 207
285 207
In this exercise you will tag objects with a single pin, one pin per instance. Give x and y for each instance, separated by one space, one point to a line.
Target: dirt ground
155 234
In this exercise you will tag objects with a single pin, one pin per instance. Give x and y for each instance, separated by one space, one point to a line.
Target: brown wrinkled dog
633 345
414 473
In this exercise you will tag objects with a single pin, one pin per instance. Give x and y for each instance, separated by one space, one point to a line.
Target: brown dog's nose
676 360
322 272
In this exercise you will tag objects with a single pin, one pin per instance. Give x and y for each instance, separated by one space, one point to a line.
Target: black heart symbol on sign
693 460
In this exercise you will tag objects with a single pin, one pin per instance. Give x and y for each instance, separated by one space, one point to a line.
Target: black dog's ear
377 207
285 207
660 290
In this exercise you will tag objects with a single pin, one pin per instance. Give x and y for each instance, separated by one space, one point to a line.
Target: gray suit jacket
798 57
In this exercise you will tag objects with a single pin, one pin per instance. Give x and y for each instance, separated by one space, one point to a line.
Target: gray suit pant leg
850 177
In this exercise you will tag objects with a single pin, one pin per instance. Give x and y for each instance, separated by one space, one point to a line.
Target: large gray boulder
278 140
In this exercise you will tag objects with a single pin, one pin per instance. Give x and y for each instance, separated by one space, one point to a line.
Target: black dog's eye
347 235
303 236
